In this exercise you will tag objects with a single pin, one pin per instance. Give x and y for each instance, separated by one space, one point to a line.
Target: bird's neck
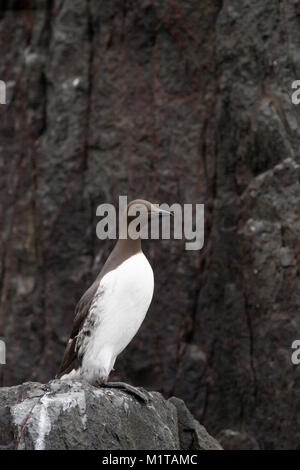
129 246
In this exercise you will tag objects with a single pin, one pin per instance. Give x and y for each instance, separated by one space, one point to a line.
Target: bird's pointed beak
161 213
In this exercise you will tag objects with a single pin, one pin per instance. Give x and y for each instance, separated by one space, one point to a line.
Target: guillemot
111 311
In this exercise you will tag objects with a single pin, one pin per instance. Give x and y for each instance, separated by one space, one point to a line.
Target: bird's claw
128 388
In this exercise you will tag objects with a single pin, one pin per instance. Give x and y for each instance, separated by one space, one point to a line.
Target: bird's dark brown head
140 212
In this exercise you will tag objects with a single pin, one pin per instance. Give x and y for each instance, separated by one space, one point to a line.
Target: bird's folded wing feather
81 312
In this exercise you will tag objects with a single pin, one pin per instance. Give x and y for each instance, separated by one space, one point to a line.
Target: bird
111 311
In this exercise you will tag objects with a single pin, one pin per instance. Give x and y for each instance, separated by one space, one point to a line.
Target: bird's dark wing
81 312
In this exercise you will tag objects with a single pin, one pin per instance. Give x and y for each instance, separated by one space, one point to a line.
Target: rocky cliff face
75 415
176 101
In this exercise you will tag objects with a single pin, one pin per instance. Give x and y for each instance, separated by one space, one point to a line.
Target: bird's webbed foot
129 388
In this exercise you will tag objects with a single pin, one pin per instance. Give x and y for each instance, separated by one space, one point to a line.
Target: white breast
121 303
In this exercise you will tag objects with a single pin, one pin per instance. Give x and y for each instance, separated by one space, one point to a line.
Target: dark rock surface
176 101
75 415
235 440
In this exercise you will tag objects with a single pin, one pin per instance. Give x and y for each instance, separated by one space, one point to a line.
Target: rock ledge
75 415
